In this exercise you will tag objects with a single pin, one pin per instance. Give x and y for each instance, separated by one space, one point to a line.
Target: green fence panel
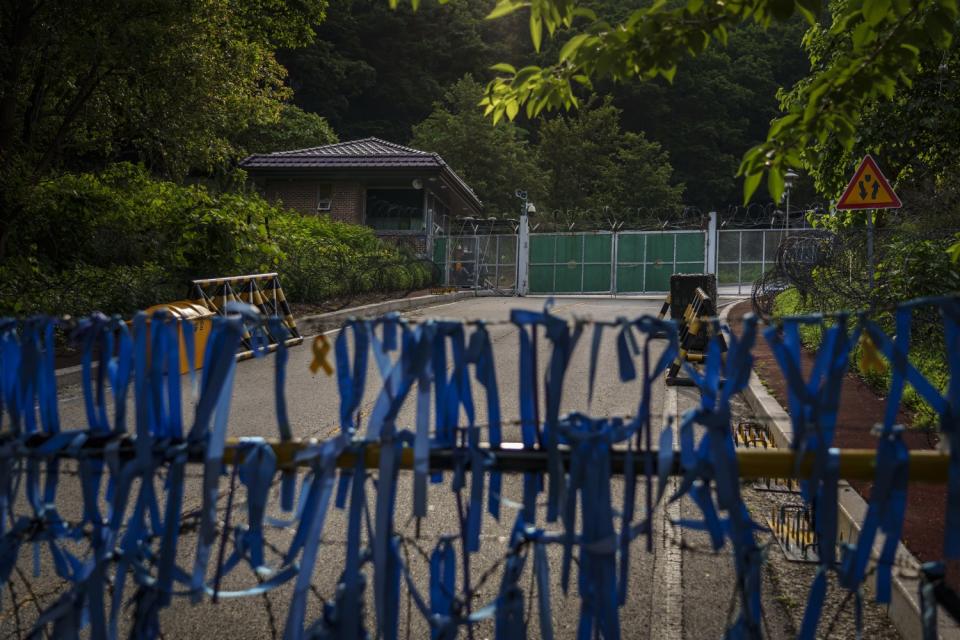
660 248
658 276
569 277
597 248
596 278
541 278
630 278
631 248
689 267
543 249
569 249
691 247
583 262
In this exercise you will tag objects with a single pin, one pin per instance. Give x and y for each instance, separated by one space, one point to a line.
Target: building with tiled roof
404 194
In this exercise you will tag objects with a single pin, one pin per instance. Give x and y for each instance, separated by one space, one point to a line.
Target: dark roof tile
354 154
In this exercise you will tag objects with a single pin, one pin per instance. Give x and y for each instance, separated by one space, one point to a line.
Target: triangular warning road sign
869 189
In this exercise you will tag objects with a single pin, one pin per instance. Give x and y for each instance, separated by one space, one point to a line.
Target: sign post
869 189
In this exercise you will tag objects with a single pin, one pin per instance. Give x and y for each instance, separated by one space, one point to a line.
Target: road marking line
666 614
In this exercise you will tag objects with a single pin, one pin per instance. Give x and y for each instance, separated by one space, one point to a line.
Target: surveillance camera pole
523 245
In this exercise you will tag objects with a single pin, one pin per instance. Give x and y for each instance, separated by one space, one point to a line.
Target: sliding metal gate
605 262
593 262
571 262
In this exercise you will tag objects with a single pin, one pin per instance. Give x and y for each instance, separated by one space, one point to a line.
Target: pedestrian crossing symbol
869 189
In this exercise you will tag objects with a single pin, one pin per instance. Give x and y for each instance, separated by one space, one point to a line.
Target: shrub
120 240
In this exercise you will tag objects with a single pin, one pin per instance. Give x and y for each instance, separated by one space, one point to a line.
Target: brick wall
299 195
347 205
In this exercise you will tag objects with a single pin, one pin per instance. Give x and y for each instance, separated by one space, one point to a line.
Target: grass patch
927 354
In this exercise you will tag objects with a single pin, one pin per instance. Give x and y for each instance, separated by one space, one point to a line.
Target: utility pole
870 266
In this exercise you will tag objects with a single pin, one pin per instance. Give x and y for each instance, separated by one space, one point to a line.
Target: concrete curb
904 609
312 325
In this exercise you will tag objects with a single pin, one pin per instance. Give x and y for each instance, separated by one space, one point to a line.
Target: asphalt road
667 589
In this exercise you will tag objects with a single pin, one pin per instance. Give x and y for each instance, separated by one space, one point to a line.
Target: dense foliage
494 160
164 81
584 167
718 106
295 129
886 40
600 173
120 240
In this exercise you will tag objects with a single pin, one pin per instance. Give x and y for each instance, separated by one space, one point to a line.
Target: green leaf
721 33
504 67
750 184
915 50
571 46
810 9
780 123
584 12
536 31
525 74
505 8
875 11
775 183
954 252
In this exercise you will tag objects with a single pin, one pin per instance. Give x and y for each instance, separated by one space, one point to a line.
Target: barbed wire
830 268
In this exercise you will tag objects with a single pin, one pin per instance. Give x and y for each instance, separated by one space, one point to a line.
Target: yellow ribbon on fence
321 349
870 359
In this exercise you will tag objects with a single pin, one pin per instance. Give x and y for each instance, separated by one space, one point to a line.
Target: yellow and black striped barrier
664 308
261 290
692 332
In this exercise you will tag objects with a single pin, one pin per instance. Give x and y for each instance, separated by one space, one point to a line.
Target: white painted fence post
523 255
713 241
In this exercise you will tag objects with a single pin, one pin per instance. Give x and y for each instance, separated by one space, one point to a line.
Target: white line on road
666 618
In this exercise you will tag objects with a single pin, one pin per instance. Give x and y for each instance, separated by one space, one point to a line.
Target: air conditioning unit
324 204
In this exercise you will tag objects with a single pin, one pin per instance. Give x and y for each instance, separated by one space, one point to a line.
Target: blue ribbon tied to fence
126 550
